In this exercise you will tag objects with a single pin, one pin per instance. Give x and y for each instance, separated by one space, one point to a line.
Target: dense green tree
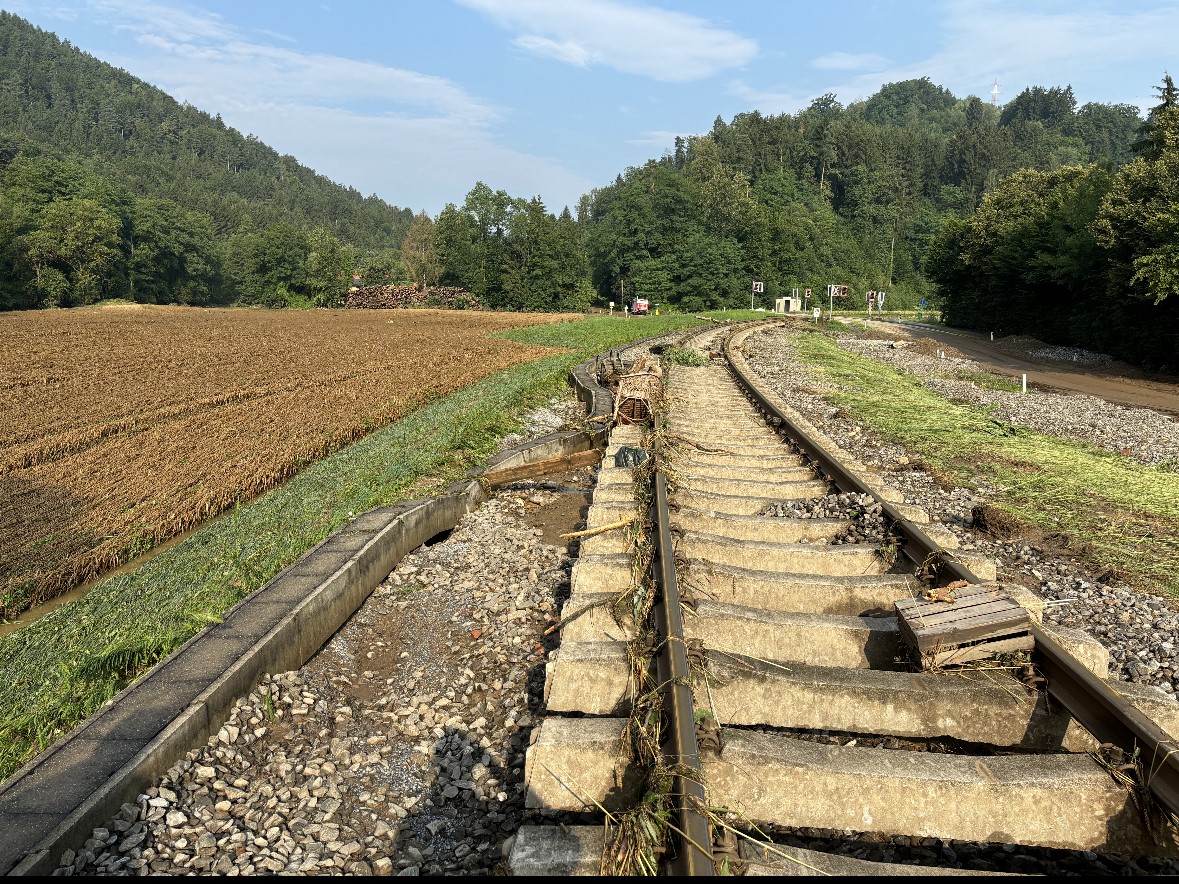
1108 131
1076 255
490 211
419 252
76 239
513 253
531 260
458 249
382 267
171 254
276 266
723 195
1152 143
329 268
1139 220
1053 108
907 103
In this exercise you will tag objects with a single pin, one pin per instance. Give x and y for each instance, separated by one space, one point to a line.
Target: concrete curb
55 800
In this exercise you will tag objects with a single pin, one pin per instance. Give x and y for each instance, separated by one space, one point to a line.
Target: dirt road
1114 382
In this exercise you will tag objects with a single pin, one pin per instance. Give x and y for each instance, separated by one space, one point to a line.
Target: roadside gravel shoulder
1141 631
1141 434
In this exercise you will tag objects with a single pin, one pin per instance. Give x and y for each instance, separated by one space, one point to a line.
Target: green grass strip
60 668
1119 513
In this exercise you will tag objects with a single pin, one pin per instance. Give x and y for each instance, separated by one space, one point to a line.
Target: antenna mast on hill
995 93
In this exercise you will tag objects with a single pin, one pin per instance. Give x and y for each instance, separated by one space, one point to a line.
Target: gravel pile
1144 435
1034 348
398 749
1140 631
1070 354
867 521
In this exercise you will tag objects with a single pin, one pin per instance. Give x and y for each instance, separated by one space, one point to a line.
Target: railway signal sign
833 292
758 289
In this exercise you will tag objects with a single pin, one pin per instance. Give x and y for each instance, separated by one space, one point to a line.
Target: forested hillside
1079 254
111 188
832 194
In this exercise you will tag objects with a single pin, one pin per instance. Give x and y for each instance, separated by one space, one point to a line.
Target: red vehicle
640 307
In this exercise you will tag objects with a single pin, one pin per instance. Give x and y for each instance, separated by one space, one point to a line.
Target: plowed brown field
123 426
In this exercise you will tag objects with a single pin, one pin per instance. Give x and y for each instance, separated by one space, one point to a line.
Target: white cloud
415 162
645 40
415 139
770 100
567 51
169 21
848 61
223 68
658 138
1020 44
1025 44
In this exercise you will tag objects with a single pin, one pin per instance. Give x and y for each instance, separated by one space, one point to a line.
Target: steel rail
694 836
1103 712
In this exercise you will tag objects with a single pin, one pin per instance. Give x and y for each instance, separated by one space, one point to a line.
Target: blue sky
415 100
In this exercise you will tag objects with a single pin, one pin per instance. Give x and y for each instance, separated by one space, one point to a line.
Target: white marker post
1025 383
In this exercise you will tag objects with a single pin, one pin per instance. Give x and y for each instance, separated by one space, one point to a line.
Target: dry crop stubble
123 427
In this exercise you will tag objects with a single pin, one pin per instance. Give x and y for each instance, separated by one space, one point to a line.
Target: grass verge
1118 513
59 669
989 380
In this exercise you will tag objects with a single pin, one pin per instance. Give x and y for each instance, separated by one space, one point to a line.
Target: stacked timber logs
388 297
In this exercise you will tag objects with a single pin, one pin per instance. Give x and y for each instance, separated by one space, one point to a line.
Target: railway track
732 691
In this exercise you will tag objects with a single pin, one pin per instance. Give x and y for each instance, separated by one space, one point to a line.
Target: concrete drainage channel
55 802
812 727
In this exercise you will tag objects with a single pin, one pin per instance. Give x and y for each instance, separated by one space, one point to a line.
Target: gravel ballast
398 749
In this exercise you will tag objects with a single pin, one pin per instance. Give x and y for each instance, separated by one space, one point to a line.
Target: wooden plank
988 618
931 616
967 653
991 619
976 633
948 615
561 464
965 597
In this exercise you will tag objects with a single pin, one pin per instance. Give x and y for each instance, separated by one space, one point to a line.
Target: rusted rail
693 855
